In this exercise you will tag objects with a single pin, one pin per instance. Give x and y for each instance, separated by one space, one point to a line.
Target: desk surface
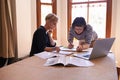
32 69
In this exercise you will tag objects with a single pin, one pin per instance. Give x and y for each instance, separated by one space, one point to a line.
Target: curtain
8 33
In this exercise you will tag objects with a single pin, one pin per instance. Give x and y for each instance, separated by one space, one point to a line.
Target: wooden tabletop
33 69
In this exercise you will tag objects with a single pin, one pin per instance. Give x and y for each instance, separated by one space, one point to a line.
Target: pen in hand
70 46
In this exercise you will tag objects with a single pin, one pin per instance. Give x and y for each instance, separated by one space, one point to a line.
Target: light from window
79 1
46 1
97 18
94 14
45 9
79 10
97 0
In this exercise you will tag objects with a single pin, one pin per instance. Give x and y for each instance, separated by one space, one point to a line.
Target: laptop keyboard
86 55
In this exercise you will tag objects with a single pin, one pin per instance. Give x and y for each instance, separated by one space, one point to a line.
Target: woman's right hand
57 49
79 48
70 45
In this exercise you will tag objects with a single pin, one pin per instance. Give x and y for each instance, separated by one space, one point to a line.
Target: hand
79 48
57 49
50 31
70 46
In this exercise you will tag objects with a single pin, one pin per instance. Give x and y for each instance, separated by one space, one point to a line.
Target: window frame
108 14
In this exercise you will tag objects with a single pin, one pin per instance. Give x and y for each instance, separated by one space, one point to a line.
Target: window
43 8
96 12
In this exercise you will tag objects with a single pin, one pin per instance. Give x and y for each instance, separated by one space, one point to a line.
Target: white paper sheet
68 61
46 55
67 49
63 52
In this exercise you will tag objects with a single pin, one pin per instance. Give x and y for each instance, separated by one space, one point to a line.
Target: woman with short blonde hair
42 40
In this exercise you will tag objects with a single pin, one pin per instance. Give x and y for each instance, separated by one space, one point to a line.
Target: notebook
101 48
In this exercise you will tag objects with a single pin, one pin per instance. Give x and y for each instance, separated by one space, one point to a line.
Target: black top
40 41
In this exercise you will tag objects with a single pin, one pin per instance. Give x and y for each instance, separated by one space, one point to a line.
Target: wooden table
32 69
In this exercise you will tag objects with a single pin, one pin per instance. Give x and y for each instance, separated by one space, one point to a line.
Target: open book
68 61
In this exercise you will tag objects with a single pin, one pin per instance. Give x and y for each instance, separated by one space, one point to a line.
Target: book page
68 61
78 62
46 55
51 61
57 60
67 49
62 59
88 49
63 52
74 49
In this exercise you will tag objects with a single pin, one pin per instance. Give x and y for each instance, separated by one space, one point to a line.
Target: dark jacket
40 41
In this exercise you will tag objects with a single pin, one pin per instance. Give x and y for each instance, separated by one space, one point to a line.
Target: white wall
59 29
116 27
62 23
26 21
33 17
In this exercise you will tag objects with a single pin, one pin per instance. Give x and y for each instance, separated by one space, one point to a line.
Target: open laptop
101 48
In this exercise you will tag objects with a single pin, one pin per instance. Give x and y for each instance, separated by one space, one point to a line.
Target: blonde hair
51 17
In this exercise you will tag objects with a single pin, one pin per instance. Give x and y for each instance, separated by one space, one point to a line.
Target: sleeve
70 35
95 36
89 32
